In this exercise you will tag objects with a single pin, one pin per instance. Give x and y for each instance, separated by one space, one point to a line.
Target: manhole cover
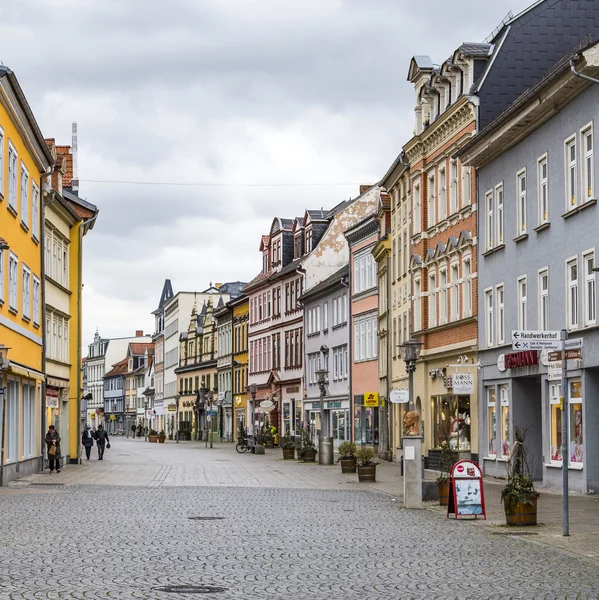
191 589
205 518
47 483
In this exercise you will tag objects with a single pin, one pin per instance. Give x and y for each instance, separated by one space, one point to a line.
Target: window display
576 441
555 392
366 426
505 421
492 421
451 421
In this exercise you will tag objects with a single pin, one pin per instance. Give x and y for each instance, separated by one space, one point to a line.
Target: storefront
293 419
240 415
339 418
366 419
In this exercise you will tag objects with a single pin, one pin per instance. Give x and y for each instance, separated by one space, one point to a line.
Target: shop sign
448 382
292 390
371 399
333 404
51 398
172 408
466 492
463 384
434 373
517 360
112 418
315 406
399 396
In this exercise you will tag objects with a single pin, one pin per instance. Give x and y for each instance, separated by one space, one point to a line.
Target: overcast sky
219 91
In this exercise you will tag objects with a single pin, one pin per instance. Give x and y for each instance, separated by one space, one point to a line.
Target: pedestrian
53 443
102 441
87 439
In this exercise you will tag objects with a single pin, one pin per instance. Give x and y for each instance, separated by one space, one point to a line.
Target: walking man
101 441
53 444
87 440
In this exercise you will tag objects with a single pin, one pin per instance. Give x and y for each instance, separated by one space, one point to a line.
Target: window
571 179
467 287
26 293
576 450
588 170
432 301
490 233
590 290
12 421
24 196
499 214
417 311
365 339
504 400
325 316
1 276
543 190
455 299
340 368
1 163
432 200
489 321
442 194
522 303
555 393
572 294
13 276
500 299
543 300
453 188
364 272
466 186
12 177
521 188
492 422
29 420
416 216
443 300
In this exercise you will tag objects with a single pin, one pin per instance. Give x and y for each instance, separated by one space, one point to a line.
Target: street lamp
3 366
146 422
210 397
177 399
253 388
325 441
410 352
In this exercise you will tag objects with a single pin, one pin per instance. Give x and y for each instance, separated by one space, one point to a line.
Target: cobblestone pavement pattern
116 541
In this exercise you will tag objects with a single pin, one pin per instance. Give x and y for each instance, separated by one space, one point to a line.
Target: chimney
74 147
139 333
364 188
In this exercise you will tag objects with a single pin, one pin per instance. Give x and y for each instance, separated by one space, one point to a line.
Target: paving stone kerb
124 542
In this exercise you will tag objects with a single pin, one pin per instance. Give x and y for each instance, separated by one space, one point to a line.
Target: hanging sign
371 399
51 398
463 384
399 396
466 493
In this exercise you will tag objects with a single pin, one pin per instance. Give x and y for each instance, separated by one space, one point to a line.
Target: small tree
307 444
446 461
519 488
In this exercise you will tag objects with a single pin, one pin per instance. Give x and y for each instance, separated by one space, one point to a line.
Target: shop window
492 422
451 421
555 392
576 454
504 399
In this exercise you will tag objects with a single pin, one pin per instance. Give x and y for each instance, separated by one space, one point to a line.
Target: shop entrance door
315 426
340 428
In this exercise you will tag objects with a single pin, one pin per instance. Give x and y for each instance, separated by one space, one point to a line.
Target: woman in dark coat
53 441
87 440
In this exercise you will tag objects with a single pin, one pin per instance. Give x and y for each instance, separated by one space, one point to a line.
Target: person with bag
87 440
53 444
102 441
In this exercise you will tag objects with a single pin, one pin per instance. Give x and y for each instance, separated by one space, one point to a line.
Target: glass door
340 429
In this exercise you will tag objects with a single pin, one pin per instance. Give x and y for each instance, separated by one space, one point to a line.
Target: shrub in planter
366 464
308 449
347 457
152 436
161 437
519 496
442 481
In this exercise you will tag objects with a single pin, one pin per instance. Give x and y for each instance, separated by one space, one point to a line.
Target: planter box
348 465
367 474
443 493
161 439
521 514
309 456
153 439
288 453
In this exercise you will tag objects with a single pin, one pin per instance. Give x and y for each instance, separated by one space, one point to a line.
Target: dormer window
297 247
265 262
309 241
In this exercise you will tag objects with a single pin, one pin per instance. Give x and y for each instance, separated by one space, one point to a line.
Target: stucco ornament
412 423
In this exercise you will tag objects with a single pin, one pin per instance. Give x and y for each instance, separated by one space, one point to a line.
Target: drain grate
515 533
205 518
191 589
48 484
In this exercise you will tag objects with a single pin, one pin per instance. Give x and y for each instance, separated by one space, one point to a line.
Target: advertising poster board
466 491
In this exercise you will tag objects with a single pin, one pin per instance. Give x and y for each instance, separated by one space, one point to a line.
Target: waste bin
325 451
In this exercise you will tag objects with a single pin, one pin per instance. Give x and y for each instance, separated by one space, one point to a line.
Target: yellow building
24 162
67 218
241 316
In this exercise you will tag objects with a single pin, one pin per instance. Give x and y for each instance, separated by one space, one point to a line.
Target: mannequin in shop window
460 425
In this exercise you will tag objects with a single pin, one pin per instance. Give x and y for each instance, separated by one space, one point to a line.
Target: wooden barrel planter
348 465
161 439
153 439
367 474
288 453
309 456
517 513
443 493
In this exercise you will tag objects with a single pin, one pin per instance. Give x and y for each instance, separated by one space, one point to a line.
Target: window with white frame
443 300
1 163
555 425
432 300
12 177
24 195
26 292
521 189
313 360
29 420
455 297
35 211
325 316
543 190
490 221
12 420
571 174
544 299
492 421
364 272
442 193
500 296
453 188
572 293
340 368
432 200
499 219
365 339
522 303
489 318
1 276
416 215
467 287
590 290
466 186
13 278
588 167
417 308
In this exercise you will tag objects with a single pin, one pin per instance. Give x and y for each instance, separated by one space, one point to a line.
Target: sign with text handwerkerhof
371 399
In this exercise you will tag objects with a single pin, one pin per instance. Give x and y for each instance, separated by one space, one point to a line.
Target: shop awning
25 371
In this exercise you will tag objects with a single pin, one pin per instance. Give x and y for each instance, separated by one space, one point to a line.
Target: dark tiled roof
287 224
531 44
317 215
233 288
474 50
327 283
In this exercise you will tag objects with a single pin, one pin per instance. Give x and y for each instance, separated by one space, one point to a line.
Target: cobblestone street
121 528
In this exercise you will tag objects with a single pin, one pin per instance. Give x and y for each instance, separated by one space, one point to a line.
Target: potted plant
446 462
152 436
519 496
308 449
161 437
347 457
288 446
366 464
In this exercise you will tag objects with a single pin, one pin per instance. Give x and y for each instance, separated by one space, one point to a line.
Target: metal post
211 425
411 387
565 451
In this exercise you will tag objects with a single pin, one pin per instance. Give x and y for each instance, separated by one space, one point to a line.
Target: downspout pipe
577 73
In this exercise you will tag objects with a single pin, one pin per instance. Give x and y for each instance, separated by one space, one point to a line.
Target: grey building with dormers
537 244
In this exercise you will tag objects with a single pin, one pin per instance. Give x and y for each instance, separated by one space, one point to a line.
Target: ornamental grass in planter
447 461
519 496
366 464
347 457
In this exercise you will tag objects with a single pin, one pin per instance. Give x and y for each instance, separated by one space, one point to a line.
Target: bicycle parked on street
242 443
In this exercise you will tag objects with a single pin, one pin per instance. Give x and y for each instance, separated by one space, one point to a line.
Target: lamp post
253 388
410 352
325 441
210 397
3 366
177 399
146 421
196 406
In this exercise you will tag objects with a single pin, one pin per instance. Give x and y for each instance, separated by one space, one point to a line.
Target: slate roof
528 46
475 50
233 288
327 283
317 215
